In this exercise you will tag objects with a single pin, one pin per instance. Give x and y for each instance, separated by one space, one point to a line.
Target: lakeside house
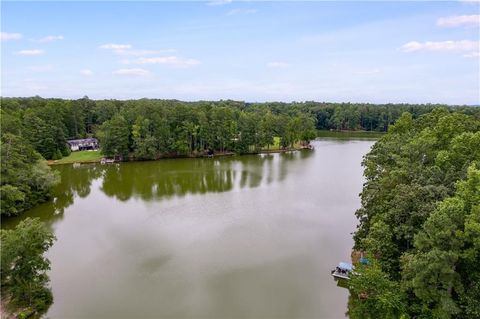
83 144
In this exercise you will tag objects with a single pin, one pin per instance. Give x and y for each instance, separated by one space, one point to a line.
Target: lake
245 236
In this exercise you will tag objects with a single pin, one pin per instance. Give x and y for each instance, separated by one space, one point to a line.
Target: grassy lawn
276 145
81 156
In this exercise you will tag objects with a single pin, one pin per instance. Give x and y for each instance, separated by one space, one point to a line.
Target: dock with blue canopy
342 270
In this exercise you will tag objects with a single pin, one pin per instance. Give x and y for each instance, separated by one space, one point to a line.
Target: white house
83 144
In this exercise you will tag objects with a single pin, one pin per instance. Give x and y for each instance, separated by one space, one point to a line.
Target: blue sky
378 52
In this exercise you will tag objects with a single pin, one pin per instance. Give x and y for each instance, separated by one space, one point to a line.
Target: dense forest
420 221
34 129
147 128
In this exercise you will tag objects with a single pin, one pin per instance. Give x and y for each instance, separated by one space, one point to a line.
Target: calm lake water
247 236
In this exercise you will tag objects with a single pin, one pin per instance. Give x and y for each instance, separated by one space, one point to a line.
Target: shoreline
224 154
9 311
350 134
321 134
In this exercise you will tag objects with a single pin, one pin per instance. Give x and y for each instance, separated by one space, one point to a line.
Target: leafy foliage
114 137
26 180
420 212
374 295
23 266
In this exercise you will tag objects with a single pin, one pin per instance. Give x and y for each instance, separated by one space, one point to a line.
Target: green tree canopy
419 215
23 265
114 137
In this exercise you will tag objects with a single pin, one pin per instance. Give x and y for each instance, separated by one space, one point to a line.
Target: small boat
342 271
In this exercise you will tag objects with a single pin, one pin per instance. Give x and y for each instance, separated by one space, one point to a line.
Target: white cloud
277 64
457 21
168 60
114 46
463 45
86 72
31 52
134 72
126 50
49 38
218 2
472 55
5 36
241 11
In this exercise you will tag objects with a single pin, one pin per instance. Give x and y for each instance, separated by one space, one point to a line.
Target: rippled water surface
246 236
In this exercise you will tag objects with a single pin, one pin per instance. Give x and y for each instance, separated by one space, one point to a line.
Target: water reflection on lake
247 236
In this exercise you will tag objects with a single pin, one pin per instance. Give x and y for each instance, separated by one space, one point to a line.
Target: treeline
367 117
148 128
420 221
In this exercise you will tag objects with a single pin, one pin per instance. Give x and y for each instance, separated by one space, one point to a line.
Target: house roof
82 141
